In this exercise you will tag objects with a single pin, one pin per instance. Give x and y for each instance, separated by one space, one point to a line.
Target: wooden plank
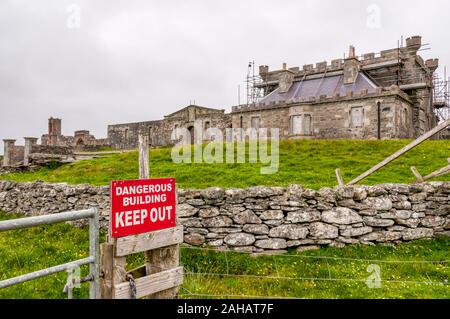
148 241
402 151
339 177
439 172
106 271
416 173
151 284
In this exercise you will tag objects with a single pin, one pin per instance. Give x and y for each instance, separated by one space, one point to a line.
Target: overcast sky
125 61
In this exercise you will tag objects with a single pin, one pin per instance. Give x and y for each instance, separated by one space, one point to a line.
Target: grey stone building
160 131
372 96
81 140
367 97
52 143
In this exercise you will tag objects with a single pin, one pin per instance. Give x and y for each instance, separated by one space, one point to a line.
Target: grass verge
325 273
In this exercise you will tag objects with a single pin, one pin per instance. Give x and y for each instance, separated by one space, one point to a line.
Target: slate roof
328 86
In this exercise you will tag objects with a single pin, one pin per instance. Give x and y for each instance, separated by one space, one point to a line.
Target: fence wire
310 268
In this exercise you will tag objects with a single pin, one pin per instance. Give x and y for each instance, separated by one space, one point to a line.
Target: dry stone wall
270 218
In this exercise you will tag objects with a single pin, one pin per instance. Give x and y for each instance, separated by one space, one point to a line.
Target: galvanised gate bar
92 260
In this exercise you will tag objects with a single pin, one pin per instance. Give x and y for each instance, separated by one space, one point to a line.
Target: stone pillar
8 151
29 142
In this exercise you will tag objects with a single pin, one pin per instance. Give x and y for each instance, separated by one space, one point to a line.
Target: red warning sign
139 206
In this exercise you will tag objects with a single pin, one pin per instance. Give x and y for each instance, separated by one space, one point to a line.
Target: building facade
388 95
368 97
160 132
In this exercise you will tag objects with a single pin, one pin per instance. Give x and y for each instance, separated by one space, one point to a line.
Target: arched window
405 115
207 126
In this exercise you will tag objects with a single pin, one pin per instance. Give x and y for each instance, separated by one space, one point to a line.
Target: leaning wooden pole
439 172
399 153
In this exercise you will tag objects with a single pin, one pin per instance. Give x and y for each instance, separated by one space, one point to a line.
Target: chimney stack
351 67
351 52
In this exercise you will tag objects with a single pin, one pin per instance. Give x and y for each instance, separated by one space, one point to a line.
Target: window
256 122
242 122
126 134
357 114
150 135
296 124
405 116
207 126
307 124
301 124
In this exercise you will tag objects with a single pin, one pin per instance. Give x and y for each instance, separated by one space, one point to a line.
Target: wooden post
161 276
416 173
107 271
339 177
112 269
402 151
144 165
160 259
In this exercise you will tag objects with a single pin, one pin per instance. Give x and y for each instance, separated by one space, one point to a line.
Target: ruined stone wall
270 218
17 154
125 136
48 149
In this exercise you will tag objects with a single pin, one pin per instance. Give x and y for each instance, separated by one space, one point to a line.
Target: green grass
303 275
311 163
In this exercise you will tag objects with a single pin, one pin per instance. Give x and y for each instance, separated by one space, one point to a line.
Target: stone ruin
54 147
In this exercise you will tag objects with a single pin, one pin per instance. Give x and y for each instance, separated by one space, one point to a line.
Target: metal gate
92 260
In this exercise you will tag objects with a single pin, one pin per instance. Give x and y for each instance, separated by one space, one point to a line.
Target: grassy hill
311 163
417 269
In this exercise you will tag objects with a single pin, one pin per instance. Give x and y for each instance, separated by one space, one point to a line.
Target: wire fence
235 271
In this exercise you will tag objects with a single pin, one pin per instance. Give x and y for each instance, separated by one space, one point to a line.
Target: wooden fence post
161 276
160 259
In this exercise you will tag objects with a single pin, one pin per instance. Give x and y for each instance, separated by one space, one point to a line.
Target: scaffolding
254 93
441 96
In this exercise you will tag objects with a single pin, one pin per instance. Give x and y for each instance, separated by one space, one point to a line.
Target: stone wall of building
331 117
125 136
402 67
18 152
48 149
270 218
